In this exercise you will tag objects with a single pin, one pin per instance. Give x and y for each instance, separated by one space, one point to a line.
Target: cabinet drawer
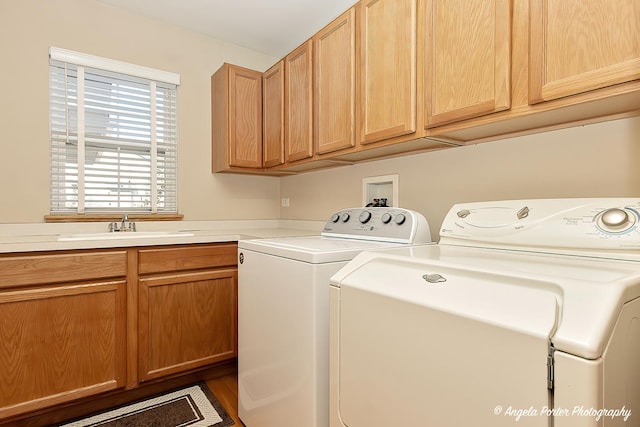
69 267
163 260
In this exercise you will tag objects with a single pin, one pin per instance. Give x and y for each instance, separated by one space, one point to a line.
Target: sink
123 235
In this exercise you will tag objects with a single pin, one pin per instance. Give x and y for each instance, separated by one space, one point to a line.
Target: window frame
138 75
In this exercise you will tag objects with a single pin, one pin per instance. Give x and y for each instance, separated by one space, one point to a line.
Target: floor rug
193 406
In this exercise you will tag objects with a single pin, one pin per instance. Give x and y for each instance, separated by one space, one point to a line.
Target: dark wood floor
226 390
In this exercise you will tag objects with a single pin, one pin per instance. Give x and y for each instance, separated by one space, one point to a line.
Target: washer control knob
386 218
616 220
345 217
335 217
364 217
400 219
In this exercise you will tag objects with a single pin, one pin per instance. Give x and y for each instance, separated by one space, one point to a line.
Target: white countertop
44 237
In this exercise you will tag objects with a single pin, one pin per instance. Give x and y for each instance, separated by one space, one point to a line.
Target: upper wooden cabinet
467 59
335 84
422 75
236 118
581 45
387 69
273 115
298 104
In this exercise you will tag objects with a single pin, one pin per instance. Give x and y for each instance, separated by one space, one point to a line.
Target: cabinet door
581 45
335 84
388 69
273 115
245 117
236 118
298 104
61 343
467 59
186 321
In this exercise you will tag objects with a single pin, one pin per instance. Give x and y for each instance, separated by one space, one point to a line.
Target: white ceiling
273 27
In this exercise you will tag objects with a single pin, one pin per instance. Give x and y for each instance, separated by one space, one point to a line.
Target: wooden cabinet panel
52 268
273 115
581 45
335 84
186 321
387 69
298 105
467 59
160 260
245 117
61 343
236 118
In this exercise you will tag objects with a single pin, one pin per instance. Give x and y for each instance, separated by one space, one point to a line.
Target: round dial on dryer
616 220
364 217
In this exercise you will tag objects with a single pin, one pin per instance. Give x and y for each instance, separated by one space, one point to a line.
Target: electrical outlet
284 202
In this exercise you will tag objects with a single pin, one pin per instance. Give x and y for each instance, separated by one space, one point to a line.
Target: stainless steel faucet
125 225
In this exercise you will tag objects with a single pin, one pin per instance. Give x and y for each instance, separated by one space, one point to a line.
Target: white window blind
113 133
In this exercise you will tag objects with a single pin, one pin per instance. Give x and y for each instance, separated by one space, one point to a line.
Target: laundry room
156 149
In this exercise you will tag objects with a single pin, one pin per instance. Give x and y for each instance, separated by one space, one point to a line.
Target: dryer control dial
616 220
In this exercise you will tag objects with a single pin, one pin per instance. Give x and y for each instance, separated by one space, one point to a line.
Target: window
113 132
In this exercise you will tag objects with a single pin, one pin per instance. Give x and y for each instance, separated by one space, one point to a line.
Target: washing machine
283 311
526 313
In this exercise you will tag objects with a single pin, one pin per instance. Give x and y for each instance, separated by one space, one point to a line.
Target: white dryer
283 312
526 313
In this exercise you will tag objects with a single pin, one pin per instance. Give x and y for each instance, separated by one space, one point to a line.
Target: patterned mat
193 406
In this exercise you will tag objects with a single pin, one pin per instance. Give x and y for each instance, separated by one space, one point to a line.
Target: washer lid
506 288
313 249
442 343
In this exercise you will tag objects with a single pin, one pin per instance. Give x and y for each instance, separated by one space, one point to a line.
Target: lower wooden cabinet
76 324
187 308
186 321
60 341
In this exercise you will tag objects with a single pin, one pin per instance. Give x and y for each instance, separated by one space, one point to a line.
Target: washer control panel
379 223
590 224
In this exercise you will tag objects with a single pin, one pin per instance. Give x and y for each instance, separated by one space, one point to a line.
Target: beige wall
599 160
29 27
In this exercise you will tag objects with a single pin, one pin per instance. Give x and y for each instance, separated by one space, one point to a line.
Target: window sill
112 217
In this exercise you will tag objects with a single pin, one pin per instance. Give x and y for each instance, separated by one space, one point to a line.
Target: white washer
526 313
283 312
